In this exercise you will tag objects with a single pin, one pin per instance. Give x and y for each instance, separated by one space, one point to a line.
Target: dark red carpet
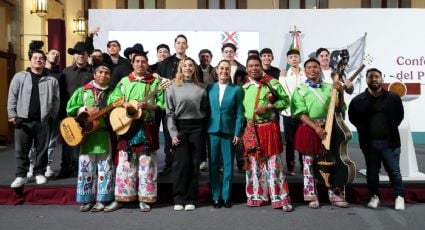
65 194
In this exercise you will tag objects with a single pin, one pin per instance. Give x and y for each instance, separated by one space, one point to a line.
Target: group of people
217 113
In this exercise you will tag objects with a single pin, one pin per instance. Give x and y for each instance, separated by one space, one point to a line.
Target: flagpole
295 30
295 43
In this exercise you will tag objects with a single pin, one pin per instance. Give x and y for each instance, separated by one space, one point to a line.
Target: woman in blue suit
225 130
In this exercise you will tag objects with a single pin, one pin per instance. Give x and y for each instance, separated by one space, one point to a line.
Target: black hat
79 47
137 48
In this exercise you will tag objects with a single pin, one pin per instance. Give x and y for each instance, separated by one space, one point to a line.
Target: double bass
333 167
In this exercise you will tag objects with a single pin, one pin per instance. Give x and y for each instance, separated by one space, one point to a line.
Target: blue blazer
227 118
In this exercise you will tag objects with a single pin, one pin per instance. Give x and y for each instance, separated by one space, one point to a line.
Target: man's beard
374 87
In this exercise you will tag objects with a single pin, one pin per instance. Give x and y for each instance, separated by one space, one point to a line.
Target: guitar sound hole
131 112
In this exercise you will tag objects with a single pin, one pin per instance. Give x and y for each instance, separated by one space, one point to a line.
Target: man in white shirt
290 80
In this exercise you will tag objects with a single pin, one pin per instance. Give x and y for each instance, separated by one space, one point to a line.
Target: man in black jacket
377 113
162 52
73 77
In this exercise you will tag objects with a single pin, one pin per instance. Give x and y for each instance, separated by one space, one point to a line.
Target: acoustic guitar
73 129
121 118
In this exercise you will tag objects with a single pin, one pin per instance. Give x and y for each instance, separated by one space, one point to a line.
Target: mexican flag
295 43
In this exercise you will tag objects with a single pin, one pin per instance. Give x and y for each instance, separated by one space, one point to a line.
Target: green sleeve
298 105
116 93
75 102
160 99
283 99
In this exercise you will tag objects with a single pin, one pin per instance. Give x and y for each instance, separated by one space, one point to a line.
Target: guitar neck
357 72
106 109
151 95
329 120
100 113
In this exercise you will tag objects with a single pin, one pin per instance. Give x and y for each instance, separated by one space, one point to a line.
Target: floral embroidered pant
310 187
95 173
136 177
264 180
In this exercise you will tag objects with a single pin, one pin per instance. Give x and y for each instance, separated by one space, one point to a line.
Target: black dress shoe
217 204
227 204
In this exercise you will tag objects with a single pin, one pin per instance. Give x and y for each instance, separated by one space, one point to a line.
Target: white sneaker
49 172
203 165
30 171
178 207
19 182
374 202
189 207
399 203
40 179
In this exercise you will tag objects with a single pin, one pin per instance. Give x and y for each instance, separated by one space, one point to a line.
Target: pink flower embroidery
249 189
150 187
149 177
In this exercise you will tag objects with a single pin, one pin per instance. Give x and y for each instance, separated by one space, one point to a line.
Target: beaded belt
257 122
320 122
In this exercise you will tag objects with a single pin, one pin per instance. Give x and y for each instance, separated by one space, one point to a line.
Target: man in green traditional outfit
95 168
136 174
263 96
309 104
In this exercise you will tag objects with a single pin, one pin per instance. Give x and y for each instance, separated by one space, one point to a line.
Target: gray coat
18 101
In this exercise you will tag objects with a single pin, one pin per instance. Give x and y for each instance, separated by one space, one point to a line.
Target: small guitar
73 129
121 118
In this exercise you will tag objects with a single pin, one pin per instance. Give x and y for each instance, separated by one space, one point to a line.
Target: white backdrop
197 40
395 37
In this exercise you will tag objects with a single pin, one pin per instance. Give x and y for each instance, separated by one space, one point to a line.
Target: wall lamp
39 7
80 26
